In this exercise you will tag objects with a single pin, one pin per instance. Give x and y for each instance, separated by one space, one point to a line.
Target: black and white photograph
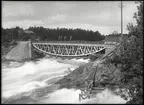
72 52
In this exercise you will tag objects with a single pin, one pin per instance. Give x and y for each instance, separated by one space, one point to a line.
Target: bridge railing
81 42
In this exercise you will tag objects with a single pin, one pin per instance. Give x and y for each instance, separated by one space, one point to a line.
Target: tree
115 33
70 37
131 57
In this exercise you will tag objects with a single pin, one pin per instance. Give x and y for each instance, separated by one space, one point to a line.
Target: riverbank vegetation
47 34
130 55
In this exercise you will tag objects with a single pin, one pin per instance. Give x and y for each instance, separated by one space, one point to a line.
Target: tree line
66 34
47 34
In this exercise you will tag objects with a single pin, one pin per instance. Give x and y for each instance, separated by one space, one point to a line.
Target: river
33 82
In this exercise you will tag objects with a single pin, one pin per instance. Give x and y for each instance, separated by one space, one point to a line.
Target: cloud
23 24
102 29
58 17
103 16
17 10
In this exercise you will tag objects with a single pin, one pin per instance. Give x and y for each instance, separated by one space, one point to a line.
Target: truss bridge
72 49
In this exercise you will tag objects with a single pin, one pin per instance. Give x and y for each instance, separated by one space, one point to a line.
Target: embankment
105 74
19 52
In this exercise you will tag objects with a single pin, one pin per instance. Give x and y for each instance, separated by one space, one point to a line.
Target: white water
19 78
72 96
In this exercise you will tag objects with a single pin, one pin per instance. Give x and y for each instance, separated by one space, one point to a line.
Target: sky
102 16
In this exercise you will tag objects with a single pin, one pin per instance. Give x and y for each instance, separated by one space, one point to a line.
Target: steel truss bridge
70 49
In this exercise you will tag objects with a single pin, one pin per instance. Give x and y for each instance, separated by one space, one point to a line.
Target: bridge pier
107 50
22 51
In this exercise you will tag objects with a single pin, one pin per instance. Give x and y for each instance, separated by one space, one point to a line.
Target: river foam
71 96
31 75
34 80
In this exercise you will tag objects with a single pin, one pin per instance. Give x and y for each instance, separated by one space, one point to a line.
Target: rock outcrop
101 72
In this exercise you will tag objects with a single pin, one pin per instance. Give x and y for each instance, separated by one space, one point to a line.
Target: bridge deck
72 43
88 42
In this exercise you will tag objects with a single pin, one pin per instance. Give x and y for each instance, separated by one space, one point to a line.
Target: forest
47 34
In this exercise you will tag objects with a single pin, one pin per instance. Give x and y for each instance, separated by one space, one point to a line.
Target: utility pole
121 6
121 19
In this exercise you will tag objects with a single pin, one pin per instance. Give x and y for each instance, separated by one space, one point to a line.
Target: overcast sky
103 16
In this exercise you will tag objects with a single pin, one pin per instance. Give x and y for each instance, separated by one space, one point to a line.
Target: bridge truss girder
67 50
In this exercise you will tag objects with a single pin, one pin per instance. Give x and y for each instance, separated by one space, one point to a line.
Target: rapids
33 82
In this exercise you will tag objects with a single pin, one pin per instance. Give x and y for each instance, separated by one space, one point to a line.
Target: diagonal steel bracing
68 49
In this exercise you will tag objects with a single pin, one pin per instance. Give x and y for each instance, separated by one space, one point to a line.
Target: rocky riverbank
104 74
